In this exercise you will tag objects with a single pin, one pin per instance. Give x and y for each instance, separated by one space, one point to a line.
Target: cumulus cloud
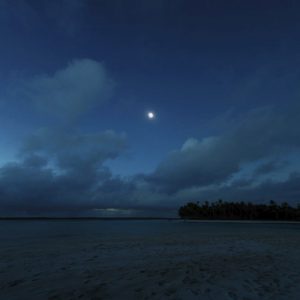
268 167
215 159
269 189
65 171
70 150
71 91
60 172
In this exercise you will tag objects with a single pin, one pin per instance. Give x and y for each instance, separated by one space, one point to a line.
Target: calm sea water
12 230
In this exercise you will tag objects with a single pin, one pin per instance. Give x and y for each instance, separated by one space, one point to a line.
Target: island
221 210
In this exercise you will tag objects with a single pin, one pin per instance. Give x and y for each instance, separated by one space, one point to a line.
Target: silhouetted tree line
239 211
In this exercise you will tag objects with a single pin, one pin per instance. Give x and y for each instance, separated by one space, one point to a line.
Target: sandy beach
231 264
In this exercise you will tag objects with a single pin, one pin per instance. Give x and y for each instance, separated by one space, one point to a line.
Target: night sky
77 78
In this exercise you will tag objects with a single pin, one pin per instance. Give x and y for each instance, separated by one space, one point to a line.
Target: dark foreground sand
237 266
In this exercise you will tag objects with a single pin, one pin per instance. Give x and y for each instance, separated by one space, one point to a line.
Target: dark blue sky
78 77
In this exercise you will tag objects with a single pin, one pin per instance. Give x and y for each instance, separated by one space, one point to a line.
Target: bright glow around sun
151 115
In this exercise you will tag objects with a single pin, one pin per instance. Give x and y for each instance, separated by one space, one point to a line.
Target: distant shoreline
242 221
144 219
84 218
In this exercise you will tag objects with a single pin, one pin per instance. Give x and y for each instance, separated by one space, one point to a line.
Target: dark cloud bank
64 171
